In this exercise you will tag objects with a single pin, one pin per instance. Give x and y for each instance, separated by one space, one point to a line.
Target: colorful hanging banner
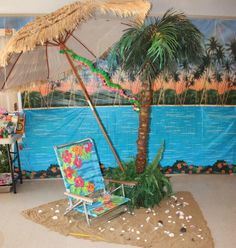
105 78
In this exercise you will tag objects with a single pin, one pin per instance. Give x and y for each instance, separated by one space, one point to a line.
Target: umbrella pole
92 107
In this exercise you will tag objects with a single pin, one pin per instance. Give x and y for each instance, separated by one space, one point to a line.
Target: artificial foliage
149 49
212 82
4 166
152 186
105 78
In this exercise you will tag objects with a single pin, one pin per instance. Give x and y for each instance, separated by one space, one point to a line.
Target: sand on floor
177 223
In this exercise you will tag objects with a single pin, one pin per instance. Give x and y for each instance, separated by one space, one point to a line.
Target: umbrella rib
68 34
92 107
84 46
11 69
51 43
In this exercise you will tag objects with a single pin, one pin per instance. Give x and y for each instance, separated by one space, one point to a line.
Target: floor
214 193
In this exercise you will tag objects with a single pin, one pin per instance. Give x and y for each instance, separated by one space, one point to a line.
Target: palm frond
157 159
157 44
232 48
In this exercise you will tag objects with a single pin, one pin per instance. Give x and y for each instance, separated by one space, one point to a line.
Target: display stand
9 143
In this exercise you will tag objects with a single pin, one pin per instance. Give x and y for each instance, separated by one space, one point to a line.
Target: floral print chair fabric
6 179
83 179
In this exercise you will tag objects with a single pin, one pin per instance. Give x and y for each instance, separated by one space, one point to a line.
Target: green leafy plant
148 50
152 186
3 160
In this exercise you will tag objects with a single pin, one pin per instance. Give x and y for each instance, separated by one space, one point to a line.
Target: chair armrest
78 197
127 183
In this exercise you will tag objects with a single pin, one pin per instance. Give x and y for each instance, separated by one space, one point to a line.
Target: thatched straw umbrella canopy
88 27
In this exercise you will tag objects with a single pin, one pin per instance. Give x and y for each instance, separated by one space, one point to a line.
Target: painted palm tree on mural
187 79
145 51
231 47
227 79
217 66
212 63
164 78
229 66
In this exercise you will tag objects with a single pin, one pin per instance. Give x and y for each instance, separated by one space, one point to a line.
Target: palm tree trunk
143 132
226 97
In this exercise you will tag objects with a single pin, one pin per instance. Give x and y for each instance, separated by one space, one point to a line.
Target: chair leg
123 190
86 214
72 206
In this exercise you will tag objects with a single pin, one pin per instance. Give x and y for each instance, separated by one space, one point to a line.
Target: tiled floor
215 195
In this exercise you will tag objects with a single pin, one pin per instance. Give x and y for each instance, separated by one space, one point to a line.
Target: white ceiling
211 8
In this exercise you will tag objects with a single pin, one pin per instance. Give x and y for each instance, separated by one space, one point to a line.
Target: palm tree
164 79
232 48
146 50
212 62
187 79
229 67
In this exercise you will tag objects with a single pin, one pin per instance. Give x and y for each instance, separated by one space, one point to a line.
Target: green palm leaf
158 46
146 49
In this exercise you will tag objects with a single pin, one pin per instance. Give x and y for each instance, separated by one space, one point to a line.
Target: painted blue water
197 135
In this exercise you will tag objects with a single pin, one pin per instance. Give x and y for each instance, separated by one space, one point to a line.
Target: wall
210 8
200 7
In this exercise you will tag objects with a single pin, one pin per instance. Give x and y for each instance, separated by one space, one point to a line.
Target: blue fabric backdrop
197 135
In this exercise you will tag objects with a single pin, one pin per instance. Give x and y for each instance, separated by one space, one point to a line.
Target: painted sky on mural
223 30
17 22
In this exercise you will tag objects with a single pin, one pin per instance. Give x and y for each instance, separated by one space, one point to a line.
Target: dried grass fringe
59 23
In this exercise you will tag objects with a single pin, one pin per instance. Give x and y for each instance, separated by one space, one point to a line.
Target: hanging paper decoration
105 78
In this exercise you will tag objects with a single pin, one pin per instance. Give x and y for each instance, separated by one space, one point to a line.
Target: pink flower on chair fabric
110 205
79 182
69 172
98 210
67 156
77 162
88 147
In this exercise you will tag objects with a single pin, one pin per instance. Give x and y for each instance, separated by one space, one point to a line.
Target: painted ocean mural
203 134
197 135
212 82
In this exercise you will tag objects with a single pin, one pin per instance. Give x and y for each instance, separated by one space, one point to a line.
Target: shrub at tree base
4 166
152 186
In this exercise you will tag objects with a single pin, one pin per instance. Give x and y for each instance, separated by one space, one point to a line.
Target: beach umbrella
86 28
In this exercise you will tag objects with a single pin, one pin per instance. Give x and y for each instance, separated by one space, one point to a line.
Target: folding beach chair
84 182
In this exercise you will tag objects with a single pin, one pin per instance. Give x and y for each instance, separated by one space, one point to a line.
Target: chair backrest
80 168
